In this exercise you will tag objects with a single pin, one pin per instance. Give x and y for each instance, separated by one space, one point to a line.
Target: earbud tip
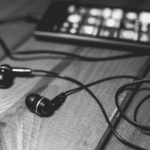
45 107
6 76
39 105
31 101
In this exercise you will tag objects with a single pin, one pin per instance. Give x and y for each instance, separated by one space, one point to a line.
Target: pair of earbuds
34 102
45 107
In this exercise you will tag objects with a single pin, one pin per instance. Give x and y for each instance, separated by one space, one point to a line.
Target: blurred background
23 30
38 6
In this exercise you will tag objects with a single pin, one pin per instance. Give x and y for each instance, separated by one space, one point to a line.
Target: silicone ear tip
6 76
39 105
31 101
44 107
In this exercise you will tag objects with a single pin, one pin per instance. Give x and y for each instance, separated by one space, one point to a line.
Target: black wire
78 57
30 18
136 112
122 89
5 48
12 55
72 91
52 74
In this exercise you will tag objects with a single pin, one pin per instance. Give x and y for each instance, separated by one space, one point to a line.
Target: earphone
7 74
34 102
44 107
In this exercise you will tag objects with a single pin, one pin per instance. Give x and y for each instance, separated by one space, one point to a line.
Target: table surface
79 123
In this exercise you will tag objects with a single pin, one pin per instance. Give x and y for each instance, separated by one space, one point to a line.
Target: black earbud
35 103
43 106
7 74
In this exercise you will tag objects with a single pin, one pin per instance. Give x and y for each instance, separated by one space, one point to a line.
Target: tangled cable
143 128
86 88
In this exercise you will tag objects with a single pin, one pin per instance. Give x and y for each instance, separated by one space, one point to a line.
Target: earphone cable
136 112
12 54
30 18
98 102
76 56
72 91
122 89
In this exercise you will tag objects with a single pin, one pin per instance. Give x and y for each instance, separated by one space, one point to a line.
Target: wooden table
79 123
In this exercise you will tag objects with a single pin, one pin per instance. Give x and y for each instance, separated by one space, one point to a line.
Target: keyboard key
131 16
145 27
55 27
74 18
108 32
73 31
117 14
106 13
63 29
82 10
131 25
89 30
144 17
93 21
66 24
128 25
75 25
128 35
144 37
112 23
71 9
95 12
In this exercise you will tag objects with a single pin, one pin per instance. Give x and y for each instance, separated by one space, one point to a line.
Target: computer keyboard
96 25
